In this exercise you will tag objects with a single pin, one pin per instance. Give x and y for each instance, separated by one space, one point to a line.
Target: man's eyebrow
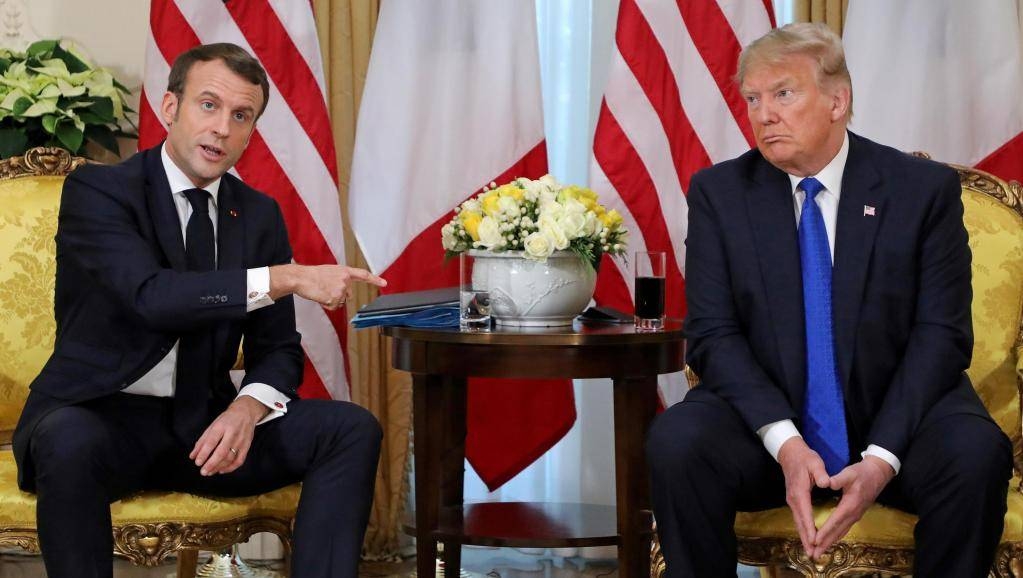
787 80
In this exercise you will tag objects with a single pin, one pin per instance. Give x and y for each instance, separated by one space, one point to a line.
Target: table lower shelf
526 525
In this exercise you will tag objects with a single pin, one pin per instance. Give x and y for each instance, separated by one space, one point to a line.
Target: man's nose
222 126
766 113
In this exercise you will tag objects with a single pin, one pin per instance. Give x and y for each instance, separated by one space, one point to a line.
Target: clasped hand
859 483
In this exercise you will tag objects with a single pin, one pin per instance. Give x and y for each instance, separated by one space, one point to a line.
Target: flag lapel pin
869 211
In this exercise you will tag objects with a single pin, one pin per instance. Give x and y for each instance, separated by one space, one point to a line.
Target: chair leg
188 561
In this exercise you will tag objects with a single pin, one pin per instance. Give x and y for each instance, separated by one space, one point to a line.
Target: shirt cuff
257 289
775 434
276 401
880 452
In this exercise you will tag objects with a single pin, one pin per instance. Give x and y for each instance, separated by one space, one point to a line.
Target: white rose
508 206
448 238
593 224
573 206
538 246
472 205
549 182
573 224
553 231
490 232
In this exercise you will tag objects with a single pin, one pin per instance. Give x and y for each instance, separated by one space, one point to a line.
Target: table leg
438 406
635 404
452 463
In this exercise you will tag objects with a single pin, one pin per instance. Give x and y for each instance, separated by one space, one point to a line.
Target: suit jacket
123 296
901 294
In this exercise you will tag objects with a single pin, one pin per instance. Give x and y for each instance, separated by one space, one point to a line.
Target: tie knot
811 187
199 199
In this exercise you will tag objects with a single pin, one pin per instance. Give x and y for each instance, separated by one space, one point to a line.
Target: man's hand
223 446
328 285
860 484
803 469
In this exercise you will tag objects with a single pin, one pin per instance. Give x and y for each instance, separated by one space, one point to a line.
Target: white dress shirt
159 381
777 433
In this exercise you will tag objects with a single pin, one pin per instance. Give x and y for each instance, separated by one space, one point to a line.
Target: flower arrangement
52 96
536 217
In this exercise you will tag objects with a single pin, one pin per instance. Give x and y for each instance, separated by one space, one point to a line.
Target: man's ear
169 108
841 100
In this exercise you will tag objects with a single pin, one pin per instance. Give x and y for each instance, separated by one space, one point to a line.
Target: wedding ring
233 451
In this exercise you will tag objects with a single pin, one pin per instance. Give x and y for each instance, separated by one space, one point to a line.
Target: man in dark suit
164 264
805 364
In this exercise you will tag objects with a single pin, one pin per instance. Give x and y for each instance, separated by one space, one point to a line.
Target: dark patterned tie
195 349
824 408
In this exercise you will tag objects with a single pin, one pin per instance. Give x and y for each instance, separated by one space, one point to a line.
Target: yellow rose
510 190
471 222
611 219
490 203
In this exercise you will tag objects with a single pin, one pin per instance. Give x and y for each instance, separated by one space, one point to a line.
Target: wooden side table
441 360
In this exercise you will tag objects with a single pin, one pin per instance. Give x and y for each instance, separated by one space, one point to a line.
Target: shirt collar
179 182
831 175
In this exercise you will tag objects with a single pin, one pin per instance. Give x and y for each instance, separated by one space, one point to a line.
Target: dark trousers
706 464
87 456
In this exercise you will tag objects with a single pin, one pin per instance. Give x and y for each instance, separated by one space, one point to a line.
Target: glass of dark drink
649 290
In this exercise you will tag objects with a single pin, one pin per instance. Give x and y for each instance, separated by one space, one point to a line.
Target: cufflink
278 405
253 294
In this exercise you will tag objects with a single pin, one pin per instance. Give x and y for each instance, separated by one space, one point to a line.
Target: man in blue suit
164 264
828 286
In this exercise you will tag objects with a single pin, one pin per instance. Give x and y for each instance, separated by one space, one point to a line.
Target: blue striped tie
824 407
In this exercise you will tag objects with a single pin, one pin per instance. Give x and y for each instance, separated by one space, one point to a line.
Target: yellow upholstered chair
146 527
882 541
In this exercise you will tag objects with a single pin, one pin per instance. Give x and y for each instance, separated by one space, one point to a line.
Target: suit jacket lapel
773 220
230 232
161 208
855 231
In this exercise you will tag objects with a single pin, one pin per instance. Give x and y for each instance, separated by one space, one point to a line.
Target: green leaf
41 107
21 105
41 47
103 108
49 122
91 118
12 142
4 64
104 137
69 136
74 64
121 87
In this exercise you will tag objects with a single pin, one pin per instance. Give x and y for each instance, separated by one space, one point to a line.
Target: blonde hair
814 40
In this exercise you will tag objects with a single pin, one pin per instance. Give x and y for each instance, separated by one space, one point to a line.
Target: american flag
670 108
291 153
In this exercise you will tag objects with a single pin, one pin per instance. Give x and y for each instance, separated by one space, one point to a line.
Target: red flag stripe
289 71
633 183
1007 161
649 64
172 33
719 48
151 131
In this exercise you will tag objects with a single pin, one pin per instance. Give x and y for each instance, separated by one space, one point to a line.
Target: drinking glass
474 296
649 290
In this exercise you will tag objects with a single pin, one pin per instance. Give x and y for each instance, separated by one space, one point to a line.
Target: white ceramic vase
529 293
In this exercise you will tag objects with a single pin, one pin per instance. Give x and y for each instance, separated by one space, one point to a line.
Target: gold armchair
146 527
882 541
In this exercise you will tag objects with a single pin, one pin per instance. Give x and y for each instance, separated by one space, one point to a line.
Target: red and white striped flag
670 108
291 153
940 76
452 103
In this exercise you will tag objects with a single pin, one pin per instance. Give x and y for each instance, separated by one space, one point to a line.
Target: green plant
52 96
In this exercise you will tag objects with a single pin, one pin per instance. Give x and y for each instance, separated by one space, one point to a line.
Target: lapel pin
234 213
869 211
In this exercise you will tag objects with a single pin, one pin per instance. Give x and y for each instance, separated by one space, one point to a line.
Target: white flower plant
536 217
52 96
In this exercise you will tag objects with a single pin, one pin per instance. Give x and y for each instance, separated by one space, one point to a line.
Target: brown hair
233 56
814 40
